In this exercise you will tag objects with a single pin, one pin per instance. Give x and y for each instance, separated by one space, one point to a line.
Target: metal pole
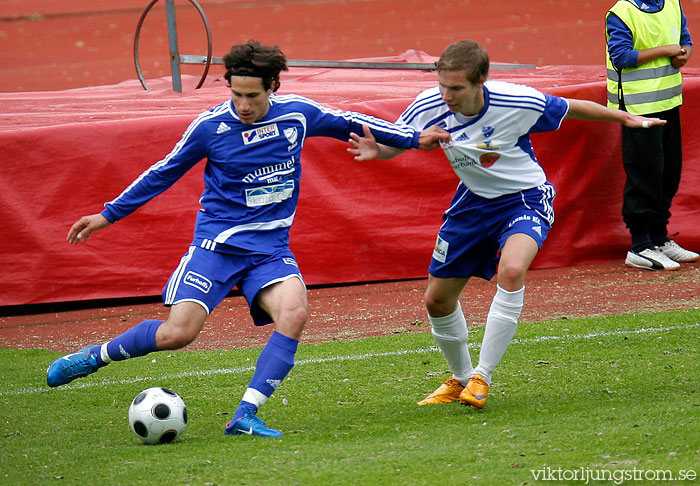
174 51
419 66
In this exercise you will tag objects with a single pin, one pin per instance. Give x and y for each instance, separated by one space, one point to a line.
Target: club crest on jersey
291 134
260 134
487 131
198 281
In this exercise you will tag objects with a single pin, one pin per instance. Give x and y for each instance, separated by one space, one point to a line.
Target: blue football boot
250 424
67 368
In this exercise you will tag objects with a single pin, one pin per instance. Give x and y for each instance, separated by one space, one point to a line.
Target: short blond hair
468 56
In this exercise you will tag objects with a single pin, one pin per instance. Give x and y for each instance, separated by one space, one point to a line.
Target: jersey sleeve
554 112
339 124
620 43
160 176
424 111
686 39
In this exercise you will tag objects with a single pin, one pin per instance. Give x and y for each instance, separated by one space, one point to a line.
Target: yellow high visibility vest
655 86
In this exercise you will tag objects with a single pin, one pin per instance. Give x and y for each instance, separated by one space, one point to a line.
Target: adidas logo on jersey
462 137
222 128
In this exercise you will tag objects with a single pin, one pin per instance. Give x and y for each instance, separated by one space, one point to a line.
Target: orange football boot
475 393
447 392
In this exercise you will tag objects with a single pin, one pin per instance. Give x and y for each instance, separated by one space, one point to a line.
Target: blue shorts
475 229
206 277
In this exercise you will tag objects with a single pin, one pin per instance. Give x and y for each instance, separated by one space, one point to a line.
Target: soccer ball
158 415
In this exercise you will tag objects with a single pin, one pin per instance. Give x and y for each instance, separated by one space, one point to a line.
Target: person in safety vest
647 42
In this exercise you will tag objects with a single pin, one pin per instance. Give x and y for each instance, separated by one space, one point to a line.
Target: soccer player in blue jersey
252 145
502 210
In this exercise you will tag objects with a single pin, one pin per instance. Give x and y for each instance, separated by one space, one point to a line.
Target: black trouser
652 158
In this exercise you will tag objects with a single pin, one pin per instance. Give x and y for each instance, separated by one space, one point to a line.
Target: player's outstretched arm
366 147
589 110
82 228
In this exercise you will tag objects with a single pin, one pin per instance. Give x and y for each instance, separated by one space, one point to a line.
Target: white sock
501 323
253 396
452 337
104 354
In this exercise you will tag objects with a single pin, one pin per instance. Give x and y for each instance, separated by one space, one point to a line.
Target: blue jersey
252 174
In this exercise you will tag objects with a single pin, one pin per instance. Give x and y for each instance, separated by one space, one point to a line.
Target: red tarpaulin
65 153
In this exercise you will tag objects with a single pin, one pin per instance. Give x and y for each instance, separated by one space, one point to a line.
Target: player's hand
635 121
82 228
363 148
431 137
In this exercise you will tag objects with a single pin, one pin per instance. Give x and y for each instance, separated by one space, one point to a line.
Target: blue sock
274 363
137 341
240 411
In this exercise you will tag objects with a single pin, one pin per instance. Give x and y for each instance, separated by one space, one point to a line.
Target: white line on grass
243 369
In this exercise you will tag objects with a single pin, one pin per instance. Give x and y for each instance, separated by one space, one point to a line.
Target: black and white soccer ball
158 415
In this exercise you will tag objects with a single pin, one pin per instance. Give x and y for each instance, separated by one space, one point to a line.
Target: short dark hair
258 61
465 55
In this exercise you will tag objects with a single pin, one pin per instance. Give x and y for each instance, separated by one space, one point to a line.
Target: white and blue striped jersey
252 173
491 152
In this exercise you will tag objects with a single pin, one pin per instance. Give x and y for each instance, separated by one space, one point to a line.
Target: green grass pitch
600 395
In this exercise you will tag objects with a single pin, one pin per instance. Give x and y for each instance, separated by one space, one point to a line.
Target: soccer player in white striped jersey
502 210
252 146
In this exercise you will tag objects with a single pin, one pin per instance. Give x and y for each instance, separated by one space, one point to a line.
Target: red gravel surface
49 45
377 309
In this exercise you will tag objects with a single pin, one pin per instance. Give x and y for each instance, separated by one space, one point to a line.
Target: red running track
49 45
